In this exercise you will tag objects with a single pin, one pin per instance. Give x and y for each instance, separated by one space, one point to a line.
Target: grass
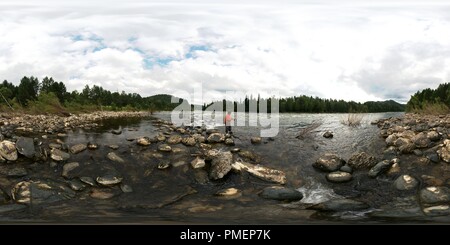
307 131
353 119
433 109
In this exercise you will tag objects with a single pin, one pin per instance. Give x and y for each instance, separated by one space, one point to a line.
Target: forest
430 101
48 95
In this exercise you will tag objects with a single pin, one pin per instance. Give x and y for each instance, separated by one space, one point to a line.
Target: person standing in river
227 120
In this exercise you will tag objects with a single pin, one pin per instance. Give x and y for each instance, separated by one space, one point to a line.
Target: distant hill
384 106
161 102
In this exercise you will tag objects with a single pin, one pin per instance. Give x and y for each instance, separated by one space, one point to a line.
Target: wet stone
78 148
126 188
114 147
164 148
328 135
109 180
76 185
88 180
227 192
339 177
67 168
117 131
59 155
256 140
435 194
329 162
92 146
102 194
8 150
198 163
380 168
163 165
281 193
361 160
25 146
114 157
143 141
441 210
16 172
405 182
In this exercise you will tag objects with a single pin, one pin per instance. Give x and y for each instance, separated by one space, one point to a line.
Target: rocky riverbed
82 168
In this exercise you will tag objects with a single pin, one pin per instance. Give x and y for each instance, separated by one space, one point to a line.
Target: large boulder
216 138
329 162
40 192
361 160
8 150
220 165
25 146
421 140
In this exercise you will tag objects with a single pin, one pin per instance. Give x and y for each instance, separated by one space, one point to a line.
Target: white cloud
351 50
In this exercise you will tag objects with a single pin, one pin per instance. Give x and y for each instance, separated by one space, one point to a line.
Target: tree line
309 104
31 92
434 101
52 95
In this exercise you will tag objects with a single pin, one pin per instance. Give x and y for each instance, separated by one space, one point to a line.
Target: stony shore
409 181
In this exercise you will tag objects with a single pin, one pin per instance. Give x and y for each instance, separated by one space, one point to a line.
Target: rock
361 160
431 180
328 135
405 182
61 135
16 172
391 139
407 148
130 139
256 140
281 193
76 185
101 194
434 195
229 141
339 177
380 168
109 180
216 138
174 139
117 131
88 180
444 152
54 146
8 150
220 165
198 163
25 146
418 152
188 141
114 147
249 156
235 150
441 210
126 188
433 136
432 156
227 192
143 141
164 148
40 192
115 158
346 169
67 168
92 146
163 165
161 138
337 205
421 140
59 155
329 162
261 172
401 141
78 148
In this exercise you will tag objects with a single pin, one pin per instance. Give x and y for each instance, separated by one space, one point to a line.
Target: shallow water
168 195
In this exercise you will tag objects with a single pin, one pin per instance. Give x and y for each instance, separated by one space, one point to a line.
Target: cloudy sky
353 50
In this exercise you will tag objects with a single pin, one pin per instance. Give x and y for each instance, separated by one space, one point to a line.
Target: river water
178 194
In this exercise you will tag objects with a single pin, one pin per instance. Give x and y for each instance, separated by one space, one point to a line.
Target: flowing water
181 194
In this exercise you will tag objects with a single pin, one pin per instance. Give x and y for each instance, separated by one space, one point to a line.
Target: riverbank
150 168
